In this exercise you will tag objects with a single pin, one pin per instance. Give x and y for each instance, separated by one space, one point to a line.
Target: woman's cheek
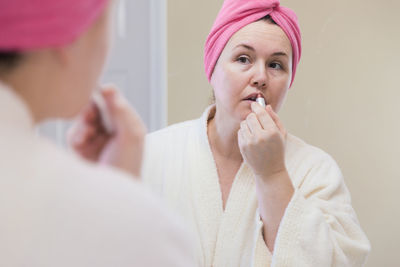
279 99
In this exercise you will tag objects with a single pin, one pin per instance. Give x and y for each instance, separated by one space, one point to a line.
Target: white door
137 64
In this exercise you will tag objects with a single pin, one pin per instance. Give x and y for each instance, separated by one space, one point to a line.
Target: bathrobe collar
14 112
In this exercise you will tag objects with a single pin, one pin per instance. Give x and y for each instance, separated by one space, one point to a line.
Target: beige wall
344 100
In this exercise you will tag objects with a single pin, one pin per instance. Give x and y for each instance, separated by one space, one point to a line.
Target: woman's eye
275 66
243 60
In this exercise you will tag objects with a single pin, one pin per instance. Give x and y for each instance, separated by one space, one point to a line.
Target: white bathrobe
319 227
57 210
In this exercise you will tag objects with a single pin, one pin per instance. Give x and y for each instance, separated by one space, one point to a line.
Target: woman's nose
260 78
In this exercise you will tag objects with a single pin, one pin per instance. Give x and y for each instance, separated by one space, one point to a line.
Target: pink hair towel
235 14
34 24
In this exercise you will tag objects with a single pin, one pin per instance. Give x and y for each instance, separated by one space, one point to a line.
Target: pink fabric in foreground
235 14
34 24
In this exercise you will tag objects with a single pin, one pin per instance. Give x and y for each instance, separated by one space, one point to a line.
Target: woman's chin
245 109
243 115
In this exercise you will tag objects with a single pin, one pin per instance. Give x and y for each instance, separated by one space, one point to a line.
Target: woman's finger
243 137
276 120
89 114
124 117
85 128
253 123
90 132
245 130
263 116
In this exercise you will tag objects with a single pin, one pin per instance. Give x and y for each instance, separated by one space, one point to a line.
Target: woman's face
257 59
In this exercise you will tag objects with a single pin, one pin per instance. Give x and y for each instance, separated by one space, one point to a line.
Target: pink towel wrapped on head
34 24
235 14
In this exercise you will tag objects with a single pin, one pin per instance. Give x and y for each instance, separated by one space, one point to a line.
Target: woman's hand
262 139
123 148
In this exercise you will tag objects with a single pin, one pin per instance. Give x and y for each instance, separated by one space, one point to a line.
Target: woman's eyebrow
252 49
245 46
280 54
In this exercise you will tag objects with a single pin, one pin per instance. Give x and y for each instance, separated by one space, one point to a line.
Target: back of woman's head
35 24
28 25
54 48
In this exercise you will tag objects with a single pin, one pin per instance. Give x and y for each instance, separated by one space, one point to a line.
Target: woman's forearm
274 194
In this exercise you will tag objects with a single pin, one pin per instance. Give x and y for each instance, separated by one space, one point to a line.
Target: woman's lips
256 97
252 97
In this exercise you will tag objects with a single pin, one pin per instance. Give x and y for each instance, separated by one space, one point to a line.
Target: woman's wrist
276 185
272 176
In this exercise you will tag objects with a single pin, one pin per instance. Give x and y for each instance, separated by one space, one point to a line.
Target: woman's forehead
261 35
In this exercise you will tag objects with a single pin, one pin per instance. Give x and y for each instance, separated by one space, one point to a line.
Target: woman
56 209
255 195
